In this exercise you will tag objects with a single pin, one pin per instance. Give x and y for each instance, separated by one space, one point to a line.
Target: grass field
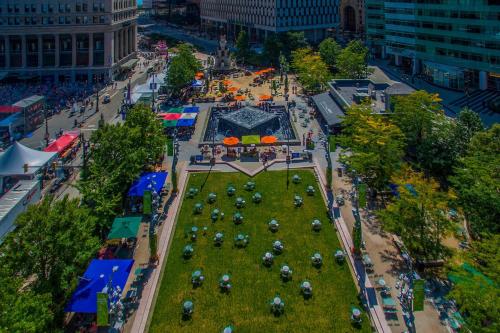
246 307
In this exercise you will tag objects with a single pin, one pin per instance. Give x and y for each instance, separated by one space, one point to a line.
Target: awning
9 109
250 139
10 120
329 109
192 109
172 116
13 160
125 227
188 116
98 275
170 123
175 110
129 64
148 181
62 143
185 122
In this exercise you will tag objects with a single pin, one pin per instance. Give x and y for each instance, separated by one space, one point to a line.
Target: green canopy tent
170 123
175 110
250 139
125 227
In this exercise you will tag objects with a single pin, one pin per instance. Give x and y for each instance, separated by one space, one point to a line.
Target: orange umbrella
265 97
269 139
232 89
200 74
227 82
259 73
240 98
231 141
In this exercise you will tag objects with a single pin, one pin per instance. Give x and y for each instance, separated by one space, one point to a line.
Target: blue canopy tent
95 279
197 84
185 122
192 109
147 182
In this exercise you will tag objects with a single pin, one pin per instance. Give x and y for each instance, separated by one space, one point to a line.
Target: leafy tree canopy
352 61
329 50
419 214
375 145
477 182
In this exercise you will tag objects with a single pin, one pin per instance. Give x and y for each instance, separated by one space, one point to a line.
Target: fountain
268 259
273 225
187 309
317 260
298 201
306 289
197 278
240 202
231 190
285 273
278 247
188 251
225 283
257 197
316 225
241 240
296 179
277 305
223 62
310 190
211 197
218 239
198 208
238 218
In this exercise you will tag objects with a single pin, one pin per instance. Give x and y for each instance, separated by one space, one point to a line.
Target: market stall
65 146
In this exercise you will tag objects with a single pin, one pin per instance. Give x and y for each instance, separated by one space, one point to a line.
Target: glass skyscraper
453 43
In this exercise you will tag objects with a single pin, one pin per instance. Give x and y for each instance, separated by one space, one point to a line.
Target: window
61 19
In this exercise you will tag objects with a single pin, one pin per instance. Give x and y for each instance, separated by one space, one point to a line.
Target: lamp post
288 160
97 98
47 136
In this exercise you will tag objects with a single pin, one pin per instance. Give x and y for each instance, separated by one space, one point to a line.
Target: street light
97 98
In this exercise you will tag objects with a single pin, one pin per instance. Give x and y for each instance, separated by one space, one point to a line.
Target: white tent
13 160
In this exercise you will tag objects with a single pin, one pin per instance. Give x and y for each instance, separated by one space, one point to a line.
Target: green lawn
246 307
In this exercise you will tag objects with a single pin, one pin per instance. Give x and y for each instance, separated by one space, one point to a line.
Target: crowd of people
58 96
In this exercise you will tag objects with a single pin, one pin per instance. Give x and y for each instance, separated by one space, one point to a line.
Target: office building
352 17
263 17
452 43
66 40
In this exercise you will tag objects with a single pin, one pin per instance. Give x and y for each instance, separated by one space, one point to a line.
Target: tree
312 72
468 124
485 255
53 243
477 182
419 214
23 310
439 149
151 137
329 50
182 69
352 62
272 48
477 300
291 41
414 114
242 46
375 145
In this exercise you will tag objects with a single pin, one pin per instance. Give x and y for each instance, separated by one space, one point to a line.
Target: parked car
106 98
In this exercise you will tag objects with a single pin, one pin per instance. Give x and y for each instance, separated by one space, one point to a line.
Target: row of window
79 7
50 20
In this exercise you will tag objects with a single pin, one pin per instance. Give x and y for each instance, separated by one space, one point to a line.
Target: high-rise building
453 43
66 40
262 17
352 17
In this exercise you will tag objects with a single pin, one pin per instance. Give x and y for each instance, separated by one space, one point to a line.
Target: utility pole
153 89
97 98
